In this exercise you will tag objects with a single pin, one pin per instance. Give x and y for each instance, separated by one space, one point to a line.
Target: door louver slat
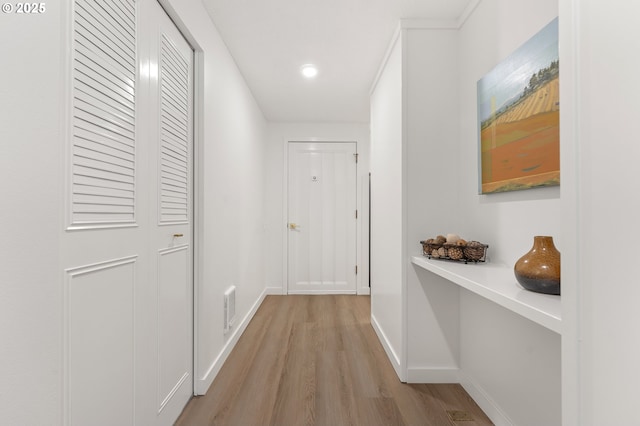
176 127
100 184
174 171
117 40
93 44
112 82
101 142
123 17
104 125
173 149
174 142
124 28
105 74
166 162
128 5
175 60
94 122
178 135
88 153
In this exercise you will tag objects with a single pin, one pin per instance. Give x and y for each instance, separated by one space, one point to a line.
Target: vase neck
543 243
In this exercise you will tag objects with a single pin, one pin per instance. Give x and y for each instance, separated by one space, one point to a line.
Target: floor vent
229 308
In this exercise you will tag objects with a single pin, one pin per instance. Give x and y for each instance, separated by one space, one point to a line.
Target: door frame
285 205
198 195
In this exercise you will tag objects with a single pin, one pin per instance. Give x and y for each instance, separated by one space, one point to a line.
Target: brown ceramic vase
539 269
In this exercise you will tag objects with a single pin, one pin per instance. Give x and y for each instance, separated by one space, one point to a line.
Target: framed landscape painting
519 117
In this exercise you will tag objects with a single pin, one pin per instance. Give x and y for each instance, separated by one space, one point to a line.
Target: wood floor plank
378 411
220 398
334 402
316 361
296 395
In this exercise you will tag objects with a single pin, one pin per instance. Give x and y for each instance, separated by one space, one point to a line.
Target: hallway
315 360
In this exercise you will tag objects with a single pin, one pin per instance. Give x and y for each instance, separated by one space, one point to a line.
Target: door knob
178 235
293 226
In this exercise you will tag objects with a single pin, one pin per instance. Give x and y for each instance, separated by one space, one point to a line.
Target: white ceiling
347 39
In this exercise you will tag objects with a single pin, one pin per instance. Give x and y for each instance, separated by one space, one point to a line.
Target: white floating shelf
496 282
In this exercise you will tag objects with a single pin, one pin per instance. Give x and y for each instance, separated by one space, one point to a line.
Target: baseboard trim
433 375
364 291
276 290
203 384
322 292
273 291
391 354
485 402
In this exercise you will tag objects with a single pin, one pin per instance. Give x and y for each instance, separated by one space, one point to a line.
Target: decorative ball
455 253
453 238
474 250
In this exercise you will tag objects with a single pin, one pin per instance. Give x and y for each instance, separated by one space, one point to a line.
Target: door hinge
356 269
356 157
356 214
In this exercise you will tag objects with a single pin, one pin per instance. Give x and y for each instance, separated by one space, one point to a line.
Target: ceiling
347 39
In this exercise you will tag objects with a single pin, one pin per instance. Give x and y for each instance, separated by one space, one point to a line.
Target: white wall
387 210
514 361
232 174
606 149
432 182
30 190
275 212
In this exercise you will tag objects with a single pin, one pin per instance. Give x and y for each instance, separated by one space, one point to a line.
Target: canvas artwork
519 117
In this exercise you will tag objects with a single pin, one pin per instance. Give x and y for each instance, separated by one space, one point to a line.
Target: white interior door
322 217
105 247
128 280
171 148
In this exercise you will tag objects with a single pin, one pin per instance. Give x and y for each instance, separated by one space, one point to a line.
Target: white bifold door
322 217
171 149
127 248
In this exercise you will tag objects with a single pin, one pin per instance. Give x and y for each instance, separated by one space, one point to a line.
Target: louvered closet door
171 215
126 251
104 251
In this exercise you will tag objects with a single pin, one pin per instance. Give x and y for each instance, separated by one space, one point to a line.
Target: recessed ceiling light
309 70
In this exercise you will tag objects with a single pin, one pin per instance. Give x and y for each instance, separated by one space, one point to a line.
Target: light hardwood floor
315 360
